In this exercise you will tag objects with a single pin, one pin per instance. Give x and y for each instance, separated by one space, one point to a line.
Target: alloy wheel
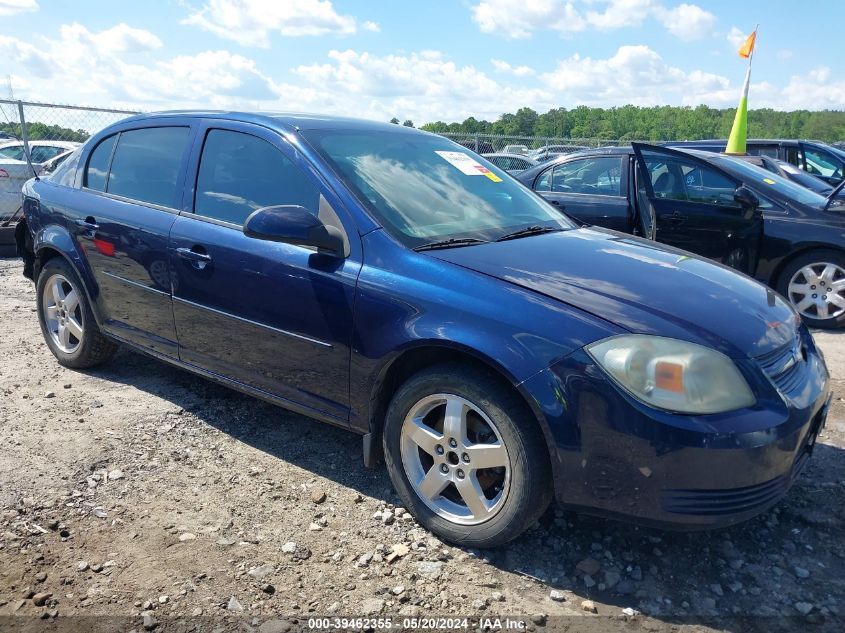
818 291
62 313
455 459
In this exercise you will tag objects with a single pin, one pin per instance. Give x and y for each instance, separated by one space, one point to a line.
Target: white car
14 172
41 151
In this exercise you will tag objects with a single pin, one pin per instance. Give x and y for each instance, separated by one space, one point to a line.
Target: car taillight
4 173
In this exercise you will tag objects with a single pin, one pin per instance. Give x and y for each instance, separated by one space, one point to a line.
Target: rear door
131 188
275 317
694 207
593 190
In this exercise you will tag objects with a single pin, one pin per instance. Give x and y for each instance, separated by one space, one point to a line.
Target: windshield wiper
833 194
528 230
450 243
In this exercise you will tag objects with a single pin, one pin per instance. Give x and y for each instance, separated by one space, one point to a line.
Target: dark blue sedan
390 282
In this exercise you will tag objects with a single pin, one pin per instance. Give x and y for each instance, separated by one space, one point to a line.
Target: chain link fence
489 143
51 122
49 132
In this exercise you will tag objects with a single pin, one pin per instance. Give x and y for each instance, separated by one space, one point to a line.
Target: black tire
93 348
821 256
530 489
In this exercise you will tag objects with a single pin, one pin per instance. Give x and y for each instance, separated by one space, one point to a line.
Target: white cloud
422 86
11 7
817 90
687 21
736 38
621 13
24 55
504 67
371 26
634 74
110 67
519 19
250 22
121 38
127 67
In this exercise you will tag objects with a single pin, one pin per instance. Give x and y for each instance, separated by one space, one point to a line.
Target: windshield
804 179
424 188
763 179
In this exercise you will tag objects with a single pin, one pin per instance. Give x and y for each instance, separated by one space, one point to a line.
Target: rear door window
240 173
597 176
146 164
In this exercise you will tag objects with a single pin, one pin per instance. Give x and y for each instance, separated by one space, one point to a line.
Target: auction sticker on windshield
467 165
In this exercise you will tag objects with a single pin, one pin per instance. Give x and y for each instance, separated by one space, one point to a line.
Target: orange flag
748 47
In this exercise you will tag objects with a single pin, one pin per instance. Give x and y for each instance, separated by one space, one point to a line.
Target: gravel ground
141 494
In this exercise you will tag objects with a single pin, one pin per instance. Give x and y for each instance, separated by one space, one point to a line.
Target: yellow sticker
492 176
768 181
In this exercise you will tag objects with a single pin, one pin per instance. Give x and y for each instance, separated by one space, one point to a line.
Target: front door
592 190
131 190
274 317
695 210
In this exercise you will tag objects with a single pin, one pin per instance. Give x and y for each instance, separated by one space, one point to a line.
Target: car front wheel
466 456
815 284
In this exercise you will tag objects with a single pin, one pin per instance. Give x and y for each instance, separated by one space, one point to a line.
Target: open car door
699 207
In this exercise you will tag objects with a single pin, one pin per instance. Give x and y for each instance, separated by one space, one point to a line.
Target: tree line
658 123
42 131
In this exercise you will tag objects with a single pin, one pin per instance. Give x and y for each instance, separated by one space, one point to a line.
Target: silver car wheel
455 459
818 291
62 313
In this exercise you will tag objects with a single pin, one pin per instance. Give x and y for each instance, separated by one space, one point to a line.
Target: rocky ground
153 499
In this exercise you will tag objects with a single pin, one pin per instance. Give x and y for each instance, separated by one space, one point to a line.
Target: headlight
673 375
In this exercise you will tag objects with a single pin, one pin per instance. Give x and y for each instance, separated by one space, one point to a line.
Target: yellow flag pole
739 131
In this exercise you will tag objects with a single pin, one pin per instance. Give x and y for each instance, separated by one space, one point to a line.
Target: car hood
641 286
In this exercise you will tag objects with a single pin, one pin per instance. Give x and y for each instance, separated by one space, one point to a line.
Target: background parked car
715 205
516 149
818 159
512 163
14 172
796 175
41 151
550 152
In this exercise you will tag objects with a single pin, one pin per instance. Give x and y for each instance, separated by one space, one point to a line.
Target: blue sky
435 60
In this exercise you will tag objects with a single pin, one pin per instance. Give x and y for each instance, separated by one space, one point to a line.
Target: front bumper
614 456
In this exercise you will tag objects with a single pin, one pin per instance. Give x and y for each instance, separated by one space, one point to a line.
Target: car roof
280 120
41 143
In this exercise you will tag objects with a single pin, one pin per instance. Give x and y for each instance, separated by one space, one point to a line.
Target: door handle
558 204
196 255
674 217
88 223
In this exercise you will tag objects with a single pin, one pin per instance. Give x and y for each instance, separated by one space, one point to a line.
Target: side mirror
293 224
746 198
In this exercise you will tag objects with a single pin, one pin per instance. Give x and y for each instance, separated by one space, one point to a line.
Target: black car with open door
722 207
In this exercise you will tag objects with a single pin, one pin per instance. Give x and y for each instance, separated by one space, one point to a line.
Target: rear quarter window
97 170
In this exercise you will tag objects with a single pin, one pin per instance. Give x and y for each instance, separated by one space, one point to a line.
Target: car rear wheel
815 284
466 456
66 319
